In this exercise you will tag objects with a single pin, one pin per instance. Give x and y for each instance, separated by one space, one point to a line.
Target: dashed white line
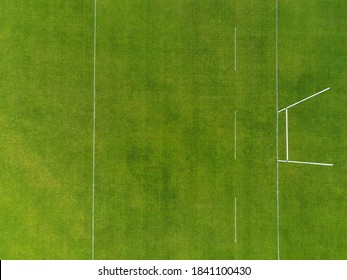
235 135
235 206
235 49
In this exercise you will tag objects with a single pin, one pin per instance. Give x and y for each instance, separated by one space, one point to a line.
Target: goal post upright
287 137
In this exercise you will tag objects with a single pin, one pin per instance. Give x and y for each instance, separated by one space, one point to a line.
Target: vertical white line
235 50
94 121
235 136
277 171
235 205
287 136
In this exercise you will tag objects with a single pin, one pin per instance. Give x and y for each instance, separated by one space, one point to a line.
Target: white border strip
89 270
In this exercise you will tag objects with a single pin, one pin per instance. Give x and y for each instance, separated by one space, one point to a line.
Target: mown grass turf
312 57
166 177
46 105
167 92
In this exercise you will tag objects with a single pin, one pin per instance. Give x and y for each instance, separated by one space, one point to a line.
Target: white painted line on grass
281 110
305 162
307 98
287 136
235 50
277 167
94 122
235 205
235 136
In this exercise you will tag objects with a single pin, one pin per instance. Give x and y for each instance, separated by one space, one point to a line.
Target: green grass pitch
166 177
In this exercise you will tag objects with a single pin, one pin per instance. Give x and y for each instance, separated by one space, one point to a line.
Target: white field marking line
277 167
235 50
235 136
94 121
287 136
305 162
235 221
311 96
